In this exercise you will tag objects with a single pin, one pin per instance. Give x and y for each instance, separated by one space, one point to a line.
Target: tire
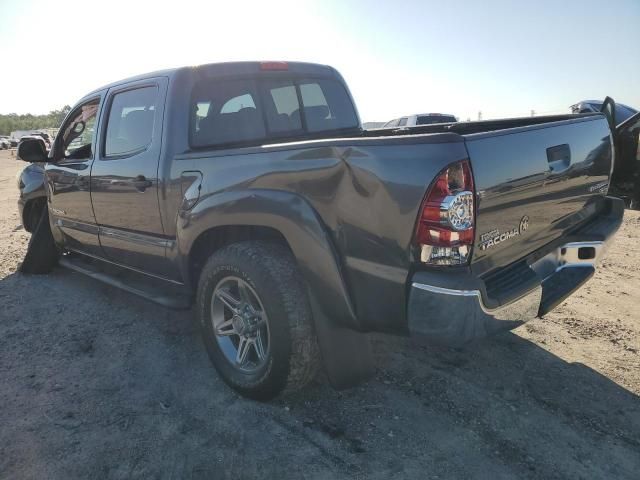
268 272
42 254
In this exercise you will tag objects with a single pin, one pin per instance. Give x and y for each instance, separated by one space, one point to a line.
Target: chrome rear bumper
445 314
571 255
455 317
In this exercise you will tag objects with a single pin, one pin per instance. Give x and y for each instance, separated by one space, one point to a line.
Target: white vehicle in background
421 119
39 138
5 143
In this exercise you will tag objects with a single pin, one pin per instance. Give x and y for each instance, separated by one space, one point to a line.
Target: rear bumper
454 309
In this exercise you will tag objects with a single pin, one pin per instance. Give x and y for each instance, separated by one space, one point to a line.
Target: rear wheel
42 254
256 320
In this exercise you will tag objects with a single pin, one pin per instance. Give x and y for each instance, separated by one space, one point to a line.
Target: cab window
254 111
226 112
79 131
131 120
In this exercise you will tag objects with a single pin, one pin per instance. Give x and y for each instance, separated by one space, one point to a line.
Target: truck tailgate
534 184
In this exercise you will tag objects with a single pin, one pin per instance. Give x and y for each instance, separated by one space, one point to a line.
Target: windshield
430 119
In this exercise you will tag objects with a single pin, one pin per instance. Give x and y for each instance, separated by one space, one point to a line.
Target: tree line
12 121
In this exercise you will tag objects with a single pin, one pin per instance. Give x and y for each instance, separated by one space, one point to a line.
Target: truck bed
368 190
481 126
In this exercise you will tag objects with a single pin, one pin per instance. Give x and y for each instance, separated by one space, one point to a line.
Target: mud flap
346 354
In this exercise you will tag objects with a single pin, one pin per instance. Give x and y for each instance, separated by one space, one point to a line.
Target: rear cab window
258 110
431 119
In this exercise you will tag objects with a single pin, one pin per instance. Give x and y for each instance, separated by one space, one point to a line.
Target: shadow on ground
97 383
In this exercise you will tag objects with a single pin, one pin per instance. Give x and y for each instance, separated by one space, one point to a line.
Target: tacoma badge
494 237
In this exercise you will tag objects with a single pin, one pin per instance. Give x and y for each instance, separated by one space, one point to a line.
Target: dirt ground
96 383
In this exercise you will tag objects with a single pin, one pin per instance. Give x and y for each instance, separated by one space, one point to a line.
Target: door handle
559 158
141 183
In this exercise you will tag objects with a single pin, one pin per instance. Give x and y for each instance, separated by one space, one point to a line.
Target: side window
79 132
326 105
403 122
284 116
226 112
131 120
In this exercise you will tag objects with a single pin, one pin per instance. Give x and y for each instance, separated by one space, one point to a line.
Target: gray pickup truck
250 193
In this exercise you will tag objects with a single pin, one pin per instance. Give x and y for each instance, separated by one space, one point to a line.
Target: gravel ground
96 383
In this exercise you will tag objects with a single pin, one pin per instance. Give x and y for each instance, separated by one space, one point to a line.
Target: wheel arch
274 215
287 218
33 195
215 238
31 212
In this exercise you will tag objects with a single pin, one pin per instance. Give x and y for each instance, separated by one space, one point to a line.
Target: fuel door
190 186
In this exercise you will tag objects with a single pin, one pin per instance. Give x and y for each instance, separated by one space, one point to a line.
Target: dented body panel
347 204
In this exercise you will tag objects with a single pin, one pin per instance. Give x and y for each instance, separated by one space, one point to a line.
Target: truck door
67 178
625 181
124 176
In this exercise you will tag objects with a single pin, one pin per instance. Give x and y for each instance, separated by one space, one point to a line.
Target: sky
503 58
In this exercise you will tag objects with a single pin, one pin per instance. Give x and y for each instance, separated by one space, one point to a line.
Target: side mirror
32 150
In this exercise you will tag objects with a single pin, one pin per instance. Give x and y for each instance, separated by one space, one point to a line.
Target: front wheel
256 320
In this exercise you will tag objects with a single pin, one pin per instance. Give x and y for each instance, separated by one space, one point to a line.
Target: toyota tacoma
250 193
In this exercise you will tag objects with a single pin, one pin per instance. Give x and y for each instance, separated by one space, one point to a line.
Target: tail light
446 226
274 66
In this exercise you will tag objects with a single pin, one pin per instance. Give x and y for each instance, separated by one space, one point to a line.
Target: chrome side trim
138 238
447 291
75 225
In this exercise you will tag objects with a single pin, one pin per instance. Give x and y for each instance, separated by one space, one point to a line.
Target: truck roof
230 68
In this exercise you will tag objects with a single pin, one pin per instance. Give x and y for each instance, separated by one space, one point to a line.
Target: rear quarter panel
366 193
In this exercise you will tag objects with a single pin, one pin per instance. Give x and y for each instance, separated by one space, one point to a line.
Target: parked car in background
622 112
420 119
5 143
45 137
250 192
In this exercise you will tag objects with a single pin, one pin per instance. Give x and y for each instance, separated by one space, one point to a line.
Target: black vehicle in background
625 181
622 112
250 192
624 122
